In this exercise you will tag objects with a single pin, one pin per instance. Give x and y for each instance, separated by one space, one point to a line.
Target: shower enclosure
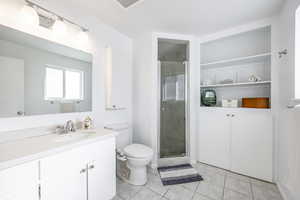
173 143
173 108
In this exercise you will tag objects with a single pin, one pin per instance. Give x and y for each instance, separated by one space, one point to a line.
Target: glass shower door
173 109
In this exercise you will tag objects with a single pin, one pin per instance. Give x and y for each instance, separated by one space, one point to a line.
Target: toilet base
138 175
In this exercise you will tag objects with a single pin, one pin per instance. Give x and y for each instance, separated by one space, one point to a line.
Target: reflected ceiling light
59 28
83 36
29 16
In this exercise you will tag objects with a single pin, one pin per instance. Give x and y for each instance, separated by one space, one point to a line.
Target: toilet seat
138 151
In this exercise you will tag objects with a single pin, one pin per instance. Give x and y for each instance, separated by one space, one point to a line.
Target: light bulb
83 37
29 16
59 28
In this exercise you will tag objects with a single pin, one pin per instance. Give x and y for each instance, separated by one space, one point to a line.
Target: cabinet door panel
62 176
252 144
20 182
214 139
102 171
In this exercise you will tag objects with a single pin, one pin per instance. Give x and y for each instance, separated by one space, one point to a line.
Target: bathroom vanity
75 166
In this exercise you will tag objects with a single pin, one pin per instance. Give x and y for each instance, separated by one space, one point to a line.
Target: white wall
100 36
289 126
143 73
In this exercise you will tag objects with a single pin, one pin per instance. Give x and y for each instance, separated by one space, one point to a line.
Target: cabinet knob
91 167
232 115
228 115
82 171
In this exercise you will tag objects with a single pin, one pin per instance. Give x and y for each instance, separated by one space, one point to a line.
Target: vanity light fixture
59 22
59 27
29 16
83 36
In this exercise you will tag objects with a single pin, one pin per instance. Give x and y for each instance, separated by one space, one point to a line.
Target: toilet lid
138 151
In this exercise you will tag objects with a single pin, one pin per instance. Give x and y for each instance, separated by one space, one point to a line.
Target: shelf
113 108
237 84
237 61
208 108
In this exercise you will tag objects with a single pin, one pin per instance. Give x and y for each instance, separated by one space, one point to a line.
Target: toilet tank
124 135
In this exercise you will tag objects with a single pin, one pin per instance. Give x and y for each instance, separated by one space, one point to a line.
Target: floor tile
209 190
204 169
146 194
266 185
238 177
232 195
215 179
201 168
200 197
263 193
126 191
191 186
210 170
154 183
178 193
238 186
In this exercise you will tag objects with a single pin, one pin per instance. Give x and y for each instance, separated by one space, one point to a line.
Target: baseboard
285 193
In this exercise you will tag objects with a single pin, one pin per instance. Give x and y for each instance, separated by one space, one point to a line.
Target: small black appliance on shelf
209 97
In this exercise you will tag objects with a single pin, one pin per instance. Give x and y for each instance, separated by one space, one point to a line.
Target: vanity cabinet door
252 144
64 176
214 138
20 182
101 170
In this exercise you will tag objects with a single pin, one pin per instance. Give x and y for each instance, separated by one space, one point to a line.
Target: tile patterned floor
218 184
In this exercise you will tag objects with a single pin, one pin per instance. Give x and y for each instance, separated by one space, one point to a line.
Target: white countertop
29 149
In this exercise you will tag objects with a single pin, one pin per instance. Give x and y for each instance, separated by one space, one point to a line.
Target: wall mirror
38 76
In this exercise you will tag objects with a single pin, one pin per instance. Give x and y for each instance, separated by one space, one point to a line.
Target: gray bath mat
178 174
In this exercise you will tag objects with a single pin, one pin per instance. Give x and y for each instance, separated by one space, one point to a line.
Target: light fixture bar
58 16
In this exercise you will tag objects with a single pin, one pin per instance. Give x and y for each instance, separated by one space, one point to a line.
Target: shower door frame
186 158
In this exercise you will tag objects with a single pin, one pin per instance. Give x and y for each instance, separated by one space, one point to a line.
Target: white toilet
132 159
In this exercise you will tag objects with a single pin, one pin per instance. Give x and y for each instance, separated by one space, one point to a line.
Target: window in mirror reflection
54 84
74 84
63 84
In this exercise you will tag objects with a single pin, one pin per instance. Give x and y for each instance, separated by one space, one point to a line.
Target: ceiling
196 17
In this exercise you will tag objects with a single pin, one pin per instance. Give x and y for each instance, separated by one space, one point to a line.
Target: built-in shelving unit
228 63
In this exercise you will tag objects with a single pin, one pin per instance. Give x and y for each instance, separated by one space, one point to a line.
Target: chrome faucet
70 127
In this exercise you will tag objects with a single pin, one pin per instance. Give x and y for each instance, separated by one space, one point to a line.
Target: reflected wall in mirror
38 76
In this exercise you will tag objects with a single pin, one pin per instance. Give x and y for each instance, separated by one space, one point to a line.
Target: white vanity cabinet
63 176
237 140
20 182
85 173
101 172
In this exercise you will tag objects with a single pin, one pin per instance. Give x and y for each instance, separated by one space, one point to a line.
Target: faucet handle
59 129
73 128
70 126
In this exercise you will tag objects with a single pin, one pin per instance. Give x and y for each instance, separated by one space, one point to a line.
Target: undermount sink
72 136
